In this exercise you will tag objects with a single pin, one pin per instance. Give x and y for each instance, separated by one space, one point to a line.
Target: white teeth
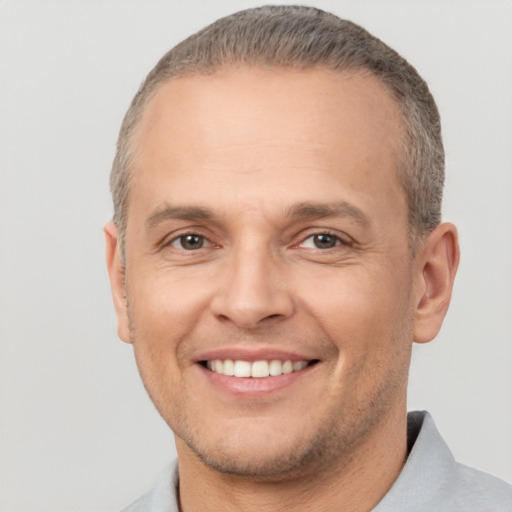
275 368
257 369
299 365
229 368
287 367
242 369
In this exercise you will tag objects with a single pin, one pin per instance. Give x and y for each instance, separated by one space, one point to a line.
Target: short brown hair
303 37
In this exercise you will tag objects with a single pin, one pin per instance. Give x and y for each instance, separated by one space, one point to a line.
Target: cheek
163 313
360 309
370 323
164 301
161 316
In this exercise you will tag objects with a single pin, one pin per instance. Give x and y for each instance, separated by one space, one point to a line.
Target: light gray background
77 431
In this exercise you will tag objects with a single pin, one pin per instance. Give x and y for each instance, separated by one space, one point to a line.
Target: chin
261 462
267 453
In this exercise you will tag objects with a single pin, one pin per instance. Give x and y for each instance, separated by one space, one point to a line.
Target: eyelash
183 236
338 241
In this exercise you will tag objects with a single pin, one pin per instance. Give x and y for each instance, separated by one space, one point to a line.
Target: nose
253 290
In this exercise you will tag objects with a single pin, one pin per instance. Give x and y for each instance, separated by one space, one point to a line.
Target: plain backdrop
77 432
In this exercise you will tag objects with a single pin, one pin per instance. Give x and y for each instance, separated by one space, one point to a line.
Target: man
276 248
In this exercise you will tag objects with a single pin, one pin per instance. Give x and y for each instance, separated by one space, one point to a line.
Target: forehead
324 96
255 130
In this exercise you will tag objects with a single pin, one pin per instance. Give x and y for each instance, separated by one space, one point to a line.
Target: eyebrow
322 210
169 212
305 210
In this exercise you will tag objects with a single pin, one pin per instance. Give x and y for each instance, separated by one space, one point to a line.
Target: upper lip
245 354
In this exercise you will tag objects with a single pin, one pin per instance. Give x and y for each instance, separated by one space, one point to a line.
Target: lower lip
253 385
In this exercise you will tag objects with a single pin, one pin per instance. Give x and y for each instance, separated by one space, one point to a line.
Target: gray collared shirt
431 481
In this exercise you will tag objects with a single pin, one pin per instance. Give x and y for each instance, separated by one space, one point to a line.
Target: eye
321 241
190 242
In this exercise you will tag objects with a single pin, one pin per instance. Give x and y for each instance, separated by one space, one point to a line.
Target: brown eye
189 242
324 241
321 241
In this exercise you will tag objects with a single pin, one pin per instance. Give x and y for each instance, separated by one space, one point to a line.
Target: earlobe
117 284
436 266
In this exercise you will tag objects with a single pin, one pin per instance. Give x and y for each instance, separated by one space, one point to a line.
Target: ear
116 273
435 266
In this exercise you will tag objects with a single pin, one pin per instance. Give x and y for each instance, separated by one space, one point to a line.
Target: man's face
266 226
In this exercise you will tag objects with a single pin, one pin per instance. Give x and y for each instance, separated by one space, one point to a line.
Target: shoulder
480 490
433 481
162 497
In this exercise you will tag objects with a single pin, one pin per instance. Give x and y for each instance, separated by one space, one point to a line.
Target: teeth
260 369
299 365
275 368
257 369
287 367
229 368
242 369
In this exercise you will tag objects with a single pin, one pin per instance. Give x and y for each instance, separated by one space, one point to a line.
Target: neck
358 481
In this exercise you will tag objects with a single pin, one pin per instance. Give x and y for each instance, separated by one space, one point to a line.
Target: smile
256 369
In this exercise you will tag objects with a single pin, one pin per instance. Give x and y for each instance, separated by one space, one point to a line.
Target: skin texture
256 162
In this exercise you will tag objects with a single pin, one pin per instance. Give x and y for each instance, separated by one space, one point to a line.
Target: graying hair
301 37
